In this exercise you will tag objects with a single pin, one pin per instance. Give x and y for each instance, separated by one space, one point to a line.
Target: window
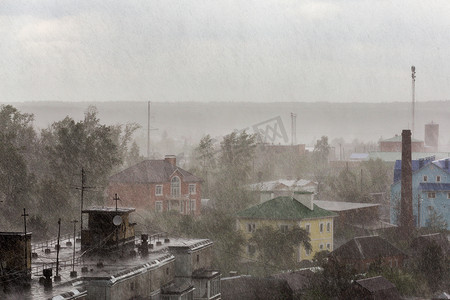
431 195
321 247
159 190
321 227
193 205
182 204
284 228
192 189
251 250
448 195
328 227
328 246
308 252
251 227
307 227
425 178
158 206
438 178
175 186
198 257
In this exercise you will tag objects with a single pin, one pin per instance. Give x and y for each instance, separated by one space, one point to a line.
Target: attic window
438 178
425 178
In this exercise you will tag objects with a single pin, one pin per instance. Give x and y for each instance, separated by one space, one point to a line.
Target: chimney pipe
172 159
406 214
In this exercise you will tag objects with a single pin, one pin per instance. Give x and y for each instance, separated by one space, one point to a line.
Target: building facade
287 212
157 185
430 190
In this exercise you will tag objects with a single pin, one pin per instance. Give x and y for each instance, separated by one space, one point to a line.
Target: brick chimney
406 214
171 159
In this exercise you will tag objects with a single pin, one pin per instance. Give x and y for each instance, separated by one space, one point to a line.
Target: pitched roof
151 171
297 280
367 247
283 184
443 163
284 208
375 283
416 164
343 206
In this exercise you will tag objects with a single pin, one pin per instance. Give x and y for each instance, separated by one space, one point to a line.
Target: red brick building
157 185
394 144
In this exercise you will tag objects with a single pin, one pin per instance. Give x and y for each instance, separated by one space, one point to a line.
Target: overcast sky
224 50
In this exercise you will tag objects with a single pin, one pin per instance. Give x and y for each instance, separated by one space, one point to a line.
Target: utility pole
73 273
413 77
57 277
293 129
82 189
25 215
148 130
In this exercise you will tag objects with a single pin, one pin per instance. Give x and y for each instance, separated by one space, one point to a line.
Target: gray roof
342 206
152 171
367 247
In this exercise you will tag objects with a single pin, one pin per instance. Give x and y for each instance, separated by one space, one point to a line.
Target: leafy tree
277 248
433 265
88 144
235 170
436 221
321 150
205 162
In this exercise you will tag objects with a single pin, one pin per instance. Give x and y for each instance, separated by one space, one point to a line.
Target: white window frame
182 205
321 227
431 195
438 178
321 247
160 193
284 228
192 189
193 206
308 252
328 226
175 186
251 227
425 178
308 227
160 205
329 246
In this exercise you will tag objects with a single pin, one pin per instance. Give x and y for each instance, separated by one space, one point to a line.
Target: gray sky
224 50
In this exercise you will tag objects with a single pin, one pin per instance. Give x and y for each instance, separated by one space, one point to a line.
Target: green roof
284 208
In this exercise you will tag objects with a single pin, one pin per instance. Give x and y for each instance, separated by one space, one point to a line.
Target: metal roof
433 186
342 206
152 171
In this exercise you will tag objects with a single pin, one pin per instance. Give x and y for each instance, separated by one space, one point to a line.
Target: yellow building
286 212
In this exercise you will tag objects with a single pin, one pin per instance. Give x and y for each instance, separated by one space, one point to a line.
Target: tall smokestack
406 215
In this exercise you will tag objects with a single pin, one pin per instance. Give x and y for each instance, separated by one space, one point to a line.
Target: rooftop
152 171
283 184
360 248
284 208
342 206
398 138
102 209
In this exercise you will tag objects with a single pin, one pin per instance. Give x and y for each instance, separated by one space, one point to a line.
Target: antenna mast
413 77
148 129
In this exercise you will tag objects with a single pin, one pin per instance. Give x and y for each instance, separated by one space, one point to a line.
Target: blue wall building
430 188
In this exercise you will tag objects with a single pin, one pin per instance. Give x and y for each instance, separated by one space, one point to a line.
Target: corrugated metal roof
342 206
151 171
284 208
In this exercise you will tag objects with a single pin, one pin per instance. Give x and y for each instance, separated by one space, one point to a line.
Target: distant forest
187 122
